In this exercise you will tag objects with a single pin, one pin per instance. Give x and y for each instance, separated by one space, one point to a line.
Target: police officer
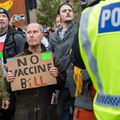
99 44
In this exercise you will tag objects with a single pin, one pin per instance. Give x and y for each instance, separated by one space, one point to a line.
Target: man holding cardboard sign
31 71
34 102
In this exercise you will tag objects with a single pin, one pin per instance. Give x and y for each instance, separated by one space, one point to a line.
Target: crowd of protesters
74 90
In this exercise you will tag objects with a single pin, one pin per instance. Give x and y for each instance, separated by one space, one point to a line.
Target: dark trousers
64 105
5 114
9 113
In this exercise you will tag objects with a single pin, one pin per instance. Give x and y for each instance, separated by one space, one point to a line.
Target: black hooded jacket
14 43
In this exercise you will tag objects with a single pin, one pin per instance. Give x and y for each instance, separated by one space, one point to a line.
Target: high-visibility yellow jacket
99 41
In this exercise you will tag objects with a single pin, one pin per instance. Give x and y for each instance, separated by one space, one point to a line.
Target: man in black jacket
11 43
35 103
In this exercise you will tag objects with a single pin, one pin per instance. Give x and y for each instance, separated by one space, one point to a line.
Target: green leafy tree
47 11
77 10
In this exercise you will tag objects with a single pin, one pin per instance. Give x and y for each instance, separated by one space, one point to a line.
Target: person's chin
32 44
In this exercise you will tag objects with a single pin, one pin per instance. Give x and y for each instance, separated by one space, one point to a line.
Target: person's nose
1 18
31 34
68 12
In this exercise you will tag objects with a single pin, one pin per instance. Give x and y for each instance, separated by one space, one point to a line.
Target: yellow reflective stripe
86 49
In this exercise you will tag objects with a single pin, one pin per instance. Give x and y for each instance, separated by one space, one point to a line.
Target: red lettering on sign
36 82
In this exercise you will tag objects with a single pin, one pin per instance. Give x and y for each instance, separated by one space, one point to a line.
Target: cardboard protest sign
31 71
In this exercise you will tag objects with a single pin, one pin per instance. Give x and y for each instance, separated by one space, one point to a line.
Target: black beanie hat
3 11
